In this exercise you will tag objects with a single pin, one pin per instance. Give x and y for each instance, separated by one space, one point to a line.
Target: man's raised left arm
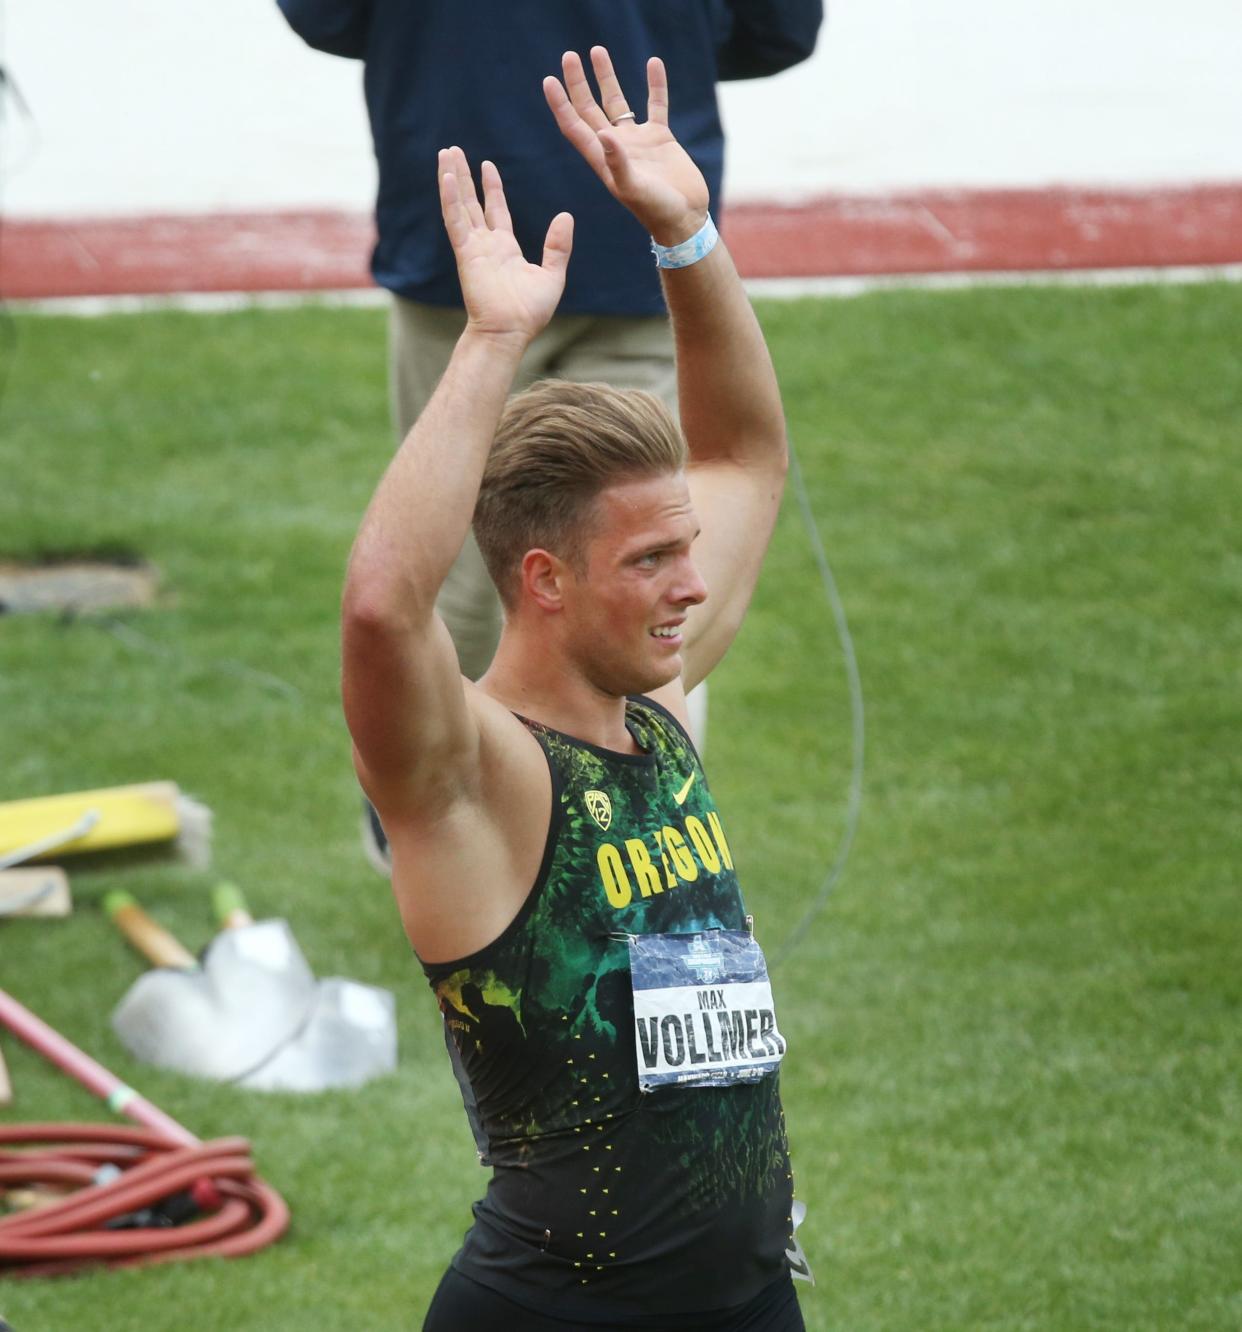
729 400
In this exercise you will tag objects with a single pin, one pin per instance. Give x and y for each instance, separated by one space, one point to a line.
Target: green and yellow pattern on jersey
616 1200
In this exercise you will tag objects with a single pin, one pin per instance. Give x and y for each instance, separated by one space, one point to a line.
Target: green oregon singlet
614 1201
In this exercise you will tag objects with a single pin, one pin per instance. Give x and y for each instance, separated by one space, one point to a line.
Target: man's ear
543 579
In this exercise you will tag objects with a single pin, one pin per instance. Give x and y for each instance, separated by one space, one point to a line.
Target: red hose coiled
232 1211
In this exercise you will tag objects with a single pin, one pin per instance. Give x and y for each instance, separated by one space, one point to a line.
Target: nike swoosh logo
680 797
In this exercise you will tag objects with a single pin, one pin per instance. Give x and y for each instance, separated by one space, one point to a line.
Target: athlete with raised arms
559 865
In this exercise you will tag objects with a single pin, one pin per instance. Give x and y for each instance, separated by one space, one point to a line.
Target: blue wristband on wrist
699 246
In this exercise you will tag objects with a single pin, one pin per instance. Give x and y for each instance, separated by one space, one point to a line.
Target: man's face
628 608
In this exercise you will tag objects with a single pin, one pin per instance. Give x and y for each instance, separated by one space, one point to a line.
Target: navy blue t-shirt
442 72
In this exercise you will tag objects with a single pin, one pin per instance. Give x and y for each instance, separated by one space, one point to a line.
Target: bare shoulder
466 851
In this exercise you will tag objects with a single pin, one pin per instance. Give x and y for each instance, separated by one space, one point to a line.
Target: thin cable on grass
857 716
228 666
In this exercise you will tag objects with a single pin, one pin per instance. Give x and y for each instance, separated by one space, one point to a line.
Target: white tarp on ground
141 106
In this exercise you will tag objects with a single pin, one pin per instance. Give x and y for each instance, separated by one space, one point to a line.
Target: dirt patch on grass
80 585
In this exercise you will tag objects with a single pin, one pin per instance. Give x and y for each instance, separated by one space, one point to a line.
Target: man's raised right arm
405 701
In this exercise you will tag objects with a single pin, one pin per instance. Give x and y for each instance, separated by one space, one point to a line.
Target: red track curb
928 232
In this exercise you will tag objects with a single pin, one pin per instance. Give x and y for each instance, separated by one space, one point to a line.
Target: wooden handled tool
160 947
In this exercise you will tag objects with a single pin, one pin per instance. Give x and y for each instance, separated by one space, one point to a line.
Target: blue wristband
699 246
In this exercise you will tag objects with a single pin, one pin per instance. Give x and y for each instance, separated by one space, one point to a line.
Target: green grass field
1013 1086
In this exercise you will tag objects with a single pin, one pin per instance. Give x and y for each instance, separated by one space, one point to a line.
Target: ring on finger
625 115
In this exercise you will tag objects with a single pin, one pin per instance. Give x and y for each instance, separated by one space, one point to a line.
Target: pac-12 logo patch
599 807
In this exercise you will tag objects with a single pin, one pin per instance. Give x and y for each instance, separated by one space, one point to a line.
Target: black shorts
463 1305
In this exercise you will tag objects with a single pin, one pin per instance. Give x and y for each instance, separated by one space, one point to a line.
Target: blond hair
558 445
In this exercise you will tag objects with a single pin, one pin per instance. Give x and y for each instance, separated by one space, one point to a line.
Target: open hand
504 295
643 165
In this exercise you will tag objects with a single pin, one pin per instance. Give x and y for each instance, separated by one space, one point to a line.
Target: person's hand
504 295
643 165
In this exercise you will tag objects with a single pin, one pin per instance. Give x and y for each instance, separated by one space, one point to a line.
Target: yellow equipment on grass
117 816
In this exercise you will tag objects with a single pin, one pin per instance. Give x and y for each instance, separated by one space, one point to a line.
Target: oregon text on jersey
681 852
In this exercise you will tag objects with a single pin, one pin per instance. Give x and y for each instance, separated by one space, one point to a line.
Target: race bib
703 1011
